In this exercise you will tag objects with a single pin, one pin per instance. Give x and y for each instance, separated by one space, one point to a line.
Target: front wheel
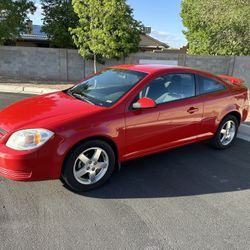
226 133
89 165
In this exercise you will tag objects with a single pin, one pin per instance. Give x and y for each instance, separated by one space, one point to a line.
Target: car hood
42 111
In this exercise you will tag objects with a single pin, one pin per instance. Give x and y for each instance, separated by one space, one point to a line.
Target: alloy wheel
227 133
91 165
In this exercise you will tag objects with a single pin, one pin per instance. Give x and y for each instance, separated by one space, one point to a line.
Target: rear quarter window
208 85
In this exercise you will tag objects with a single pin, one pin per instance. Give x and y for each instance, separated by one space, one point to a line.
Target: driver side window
169 88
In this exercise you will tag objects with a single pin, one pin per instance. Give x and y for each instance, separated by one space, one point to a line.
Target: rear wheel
89 165
226 133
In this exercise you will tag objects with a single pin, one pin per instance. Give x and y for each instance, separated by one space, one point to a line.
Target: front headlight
29 139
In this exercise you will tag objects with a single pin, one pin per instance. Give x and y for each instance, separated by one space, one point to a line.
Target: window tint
107 87
207 85
169 88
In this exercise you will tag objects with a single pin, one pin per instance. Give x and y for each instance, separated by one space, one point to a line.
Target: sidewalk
33 87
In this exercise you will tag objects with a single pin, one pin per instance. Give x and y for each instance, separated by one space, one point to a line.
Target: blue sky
162 15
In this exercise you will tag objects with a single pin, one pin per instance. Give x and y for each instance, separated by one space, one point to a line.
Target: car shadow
191 170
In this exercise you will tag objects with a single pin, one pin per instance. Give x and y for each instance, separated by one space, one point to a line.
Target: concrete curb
25 90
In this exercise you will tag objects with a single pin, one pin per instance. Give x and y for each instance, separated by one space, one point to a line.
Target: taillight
233 80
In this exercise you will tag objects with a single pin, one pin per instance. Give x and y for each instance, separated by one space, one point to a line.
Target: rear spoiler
232 80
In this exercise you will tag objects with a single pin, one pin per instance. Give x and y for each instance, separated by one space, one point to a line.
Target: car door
176 120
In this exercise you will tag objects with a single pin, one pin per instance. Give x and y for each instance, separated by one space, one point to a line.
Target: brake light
232 80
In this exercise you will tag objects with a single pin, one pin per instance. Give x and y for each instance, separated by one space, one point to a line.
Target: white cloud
37 17
173 40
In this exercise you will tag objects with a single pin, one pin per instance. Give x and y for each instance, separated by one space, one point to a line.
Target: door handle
192 110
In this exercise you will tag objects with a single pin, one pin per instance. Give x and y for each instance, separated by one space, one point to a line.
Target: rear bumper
245 112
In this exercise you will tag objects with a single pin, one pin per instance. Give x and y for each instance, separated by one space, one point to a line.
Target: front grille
2 133
15 174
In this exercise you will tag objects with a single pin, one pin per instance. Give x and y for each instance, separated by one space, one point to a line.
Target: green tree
14 17
107 29
217 27
59 16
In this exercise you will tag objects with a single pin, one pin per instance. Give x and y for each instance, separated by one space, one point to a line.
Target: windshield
107 87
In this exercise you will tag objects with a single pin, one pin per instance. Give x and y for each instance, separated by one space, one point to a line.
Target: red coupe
124 112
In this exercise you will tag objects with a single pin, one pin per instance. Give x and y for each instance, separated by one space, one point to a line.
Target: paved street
193 197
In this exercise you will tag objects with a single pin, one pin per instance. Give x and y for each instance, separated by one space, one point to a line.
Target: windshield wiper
80 97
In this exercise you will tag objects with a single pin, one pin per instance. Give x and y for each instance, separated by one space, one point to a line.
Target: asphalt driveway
193 197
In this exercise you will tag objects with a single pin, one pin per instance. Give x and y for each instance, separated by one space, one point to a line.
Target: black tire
69 165
216 141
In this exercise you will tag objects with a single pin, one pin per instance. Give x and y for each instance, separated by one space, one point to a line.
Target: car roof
154 68
147 68
158 68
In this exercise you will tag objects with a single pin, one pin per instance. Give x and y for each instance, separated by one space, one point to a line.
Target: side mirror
144 103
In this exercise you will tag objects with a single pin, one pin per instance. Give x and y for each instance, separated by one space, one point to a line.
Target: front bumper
17 175
16 165
34 165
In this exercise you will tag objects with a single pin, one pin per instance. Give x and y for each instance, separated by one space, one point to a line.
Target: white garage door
165 62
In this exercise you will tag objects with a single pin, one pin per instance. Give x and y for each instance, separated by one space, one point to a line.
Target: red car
124 112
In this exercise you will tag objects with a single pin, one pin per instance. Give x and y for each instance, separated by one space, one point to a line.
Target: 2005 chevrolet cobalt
121 113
